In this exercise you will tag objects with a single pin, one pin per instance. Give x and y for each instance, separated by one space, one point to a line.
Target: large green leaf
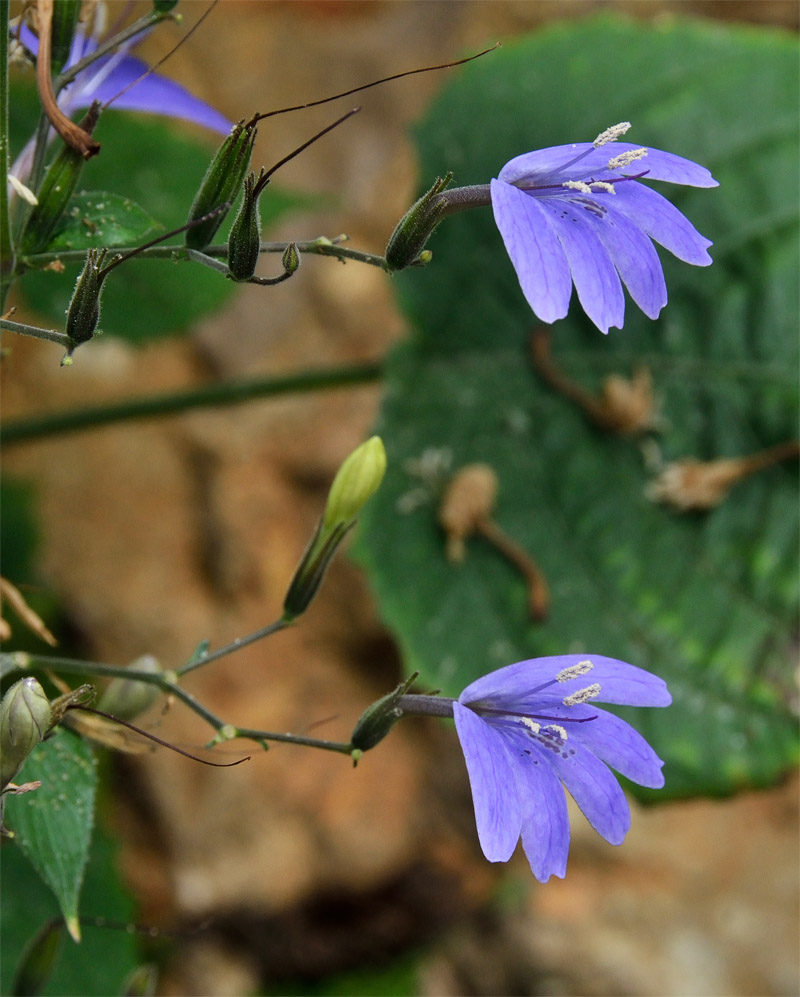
709 600
97 218
53 824
105 955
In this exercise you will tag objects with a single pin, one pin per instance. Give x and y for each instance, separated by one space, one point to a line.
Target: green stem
22 661
7 261
52 335
169 403
236 645
321 246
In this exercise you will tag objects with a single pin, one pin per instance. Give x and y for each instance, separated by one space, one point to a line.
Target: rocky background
159 534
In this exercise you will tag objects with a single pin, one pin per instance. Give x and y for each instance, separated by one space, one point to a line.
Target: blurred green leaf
707 601
53 824
97 218
105 955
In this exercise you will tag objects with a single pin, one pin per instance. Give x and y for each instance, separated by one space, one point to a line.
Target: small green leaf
53 824
97 218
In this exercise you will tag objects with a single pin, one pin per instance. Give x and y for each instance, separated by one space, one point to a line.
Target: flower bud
83 313
56 192
127 698
408 240
356 481
290 259
221 183
24 721
244 241
164 6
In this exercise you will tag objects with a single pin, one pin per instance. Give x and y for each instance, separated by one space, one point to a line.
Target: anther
611 134
582 695
625 158
574 671
532 726
557 729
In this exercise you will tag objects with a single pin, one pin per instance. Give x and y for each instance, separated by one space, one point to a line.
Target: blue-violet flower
576 214
532 726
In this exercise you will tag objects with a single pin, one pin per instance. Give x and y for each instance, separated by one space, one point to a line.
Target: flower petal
581 161
622 747
635 259
545 821
593 787
154 93
536 253
594 275
519 685
494 793
661 220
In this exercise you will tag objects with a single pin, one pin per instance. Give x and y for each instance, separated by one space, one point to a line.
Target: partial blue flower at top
578 214
111 74
528 728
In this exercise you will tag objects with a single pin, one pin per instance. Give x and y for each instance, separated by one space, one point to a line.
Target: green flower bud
83 313
291 259
24 721
221 183
127 698
416 227
164 6
244 241
356 481
56 192
65 17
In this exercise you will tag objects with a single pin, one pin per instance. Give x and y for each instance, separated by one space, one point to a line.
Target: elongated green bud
290 258
407 243
83 314
127 698
221 184
65 17
56 192
244 241
356 481
377 720
24 721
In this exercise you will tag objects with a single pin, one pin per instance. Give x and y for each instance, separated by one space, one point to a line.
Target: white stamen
574 671
557 729
24 192
582 695
580 185
611 134
602 185
530 724
624 158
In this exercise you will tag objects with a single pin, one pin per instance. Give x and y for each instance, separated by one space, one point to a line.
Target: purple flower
530 727
576 214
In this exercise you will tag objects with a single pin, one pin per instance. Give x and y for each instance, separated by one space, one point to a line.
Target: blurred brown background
160 534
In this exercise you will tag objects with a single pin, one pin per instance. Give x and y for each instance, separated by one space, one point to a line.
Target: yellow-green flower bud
55 192
24 721
356 481
290 259
406 245
127 698
221 184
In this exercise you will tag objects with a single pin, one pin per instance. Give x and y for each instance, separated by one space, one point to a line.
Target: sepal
406 246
